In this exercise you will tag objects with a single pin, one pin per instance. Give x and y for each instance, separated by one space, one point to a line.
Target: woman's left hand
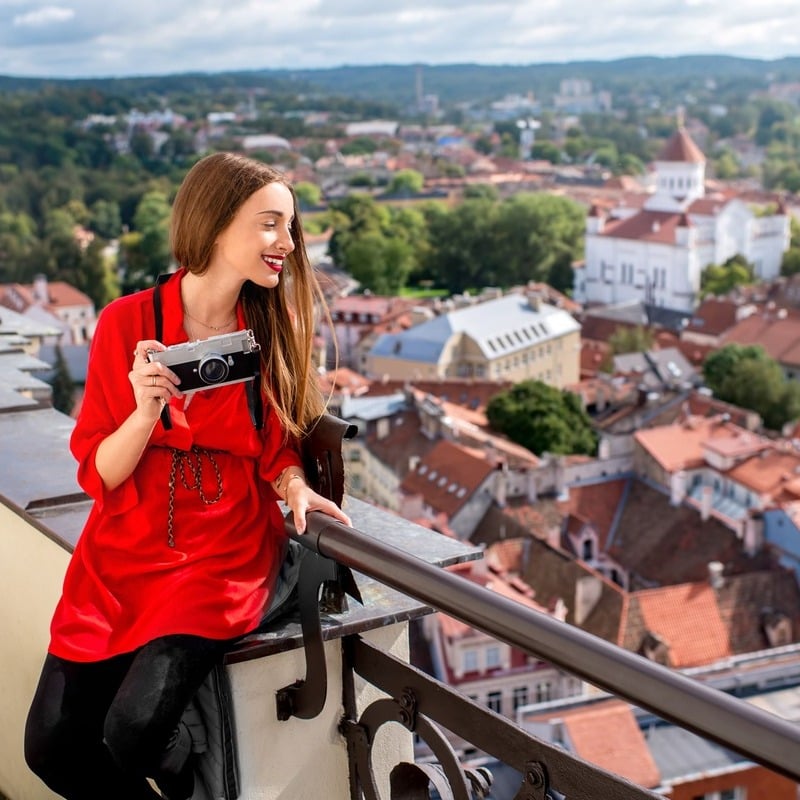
301 499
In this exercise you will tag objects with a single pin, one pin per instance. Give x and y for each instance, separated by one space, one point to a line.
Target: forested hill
455 83
465 82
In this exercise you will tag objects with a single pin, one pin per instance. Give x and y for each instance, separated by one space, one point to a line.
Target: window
588 549
543 691
519 696
492 657
736 793
494 700
470 660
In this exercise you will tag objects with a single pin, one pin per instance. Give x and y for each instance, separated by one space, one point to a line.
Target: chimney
705 502
40 290
715 576
534 300
678 487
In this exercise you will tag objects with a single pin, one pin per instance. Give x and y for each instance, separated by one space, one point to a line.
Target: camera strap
252 387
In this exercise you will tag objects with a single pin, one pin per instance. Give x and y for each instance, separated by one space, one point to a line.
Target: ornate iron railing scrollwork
411 781
546 769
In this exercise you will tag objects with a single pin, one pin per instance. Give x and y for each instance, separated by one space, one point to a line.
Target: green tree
105 219
631 340
145 251
308 194
530 233
723 362
543 419
747 377
406 182
380 263
481 191
720 279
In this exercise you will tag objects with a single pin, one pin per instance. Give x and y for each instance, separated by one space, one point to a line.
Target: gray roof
499 327
679 753
12 322
372 408
76 357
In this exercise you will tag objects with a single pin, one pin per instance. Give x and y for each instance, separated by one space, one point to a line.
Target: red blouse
125 585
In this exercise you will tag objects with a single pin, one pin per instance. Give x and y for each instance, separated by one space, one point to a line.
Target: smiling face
258 238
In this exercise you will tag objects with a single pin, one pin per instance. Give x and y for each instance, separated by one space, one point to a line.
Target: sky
112 38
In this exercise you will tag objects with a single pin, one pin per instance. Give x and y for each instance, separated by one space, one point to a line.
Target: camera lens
212 368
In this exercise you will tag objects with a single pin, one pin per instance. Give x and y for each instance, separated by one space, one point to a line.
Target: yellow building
513 338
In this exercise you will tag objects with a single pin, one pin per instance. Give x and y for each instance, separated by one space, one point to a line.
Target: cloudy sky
82 38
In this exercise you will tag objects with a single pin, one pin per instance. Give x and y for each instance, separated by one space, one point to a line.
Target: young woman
182 547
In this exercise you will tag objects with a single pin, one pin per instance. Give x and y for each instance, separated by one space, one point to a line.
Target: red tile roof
646 226
608 735
778 333
680 147
687 617
680 445
448 476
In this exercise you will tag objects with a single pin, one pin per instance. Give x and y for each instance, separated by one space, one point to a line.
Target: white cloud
43 16
98 37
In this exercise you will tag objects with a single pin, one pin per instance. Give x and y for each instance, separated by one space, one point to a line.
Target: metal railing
547 770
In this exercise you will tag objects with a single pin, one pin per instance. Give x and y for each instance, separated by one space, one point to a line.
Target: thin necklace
206 325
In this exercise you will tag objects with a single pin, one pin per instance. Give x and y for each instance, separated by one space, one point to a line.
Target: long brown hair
283 318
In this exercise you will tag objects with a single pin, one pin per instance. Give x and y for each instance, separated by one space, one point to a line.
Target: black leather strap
166 420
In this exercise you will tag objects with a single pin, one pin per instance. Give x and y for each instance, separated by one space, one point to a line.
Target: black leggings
99 729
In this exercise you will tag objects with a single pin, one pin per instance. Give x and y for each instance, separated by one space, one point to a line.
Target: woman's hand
153 383
301 499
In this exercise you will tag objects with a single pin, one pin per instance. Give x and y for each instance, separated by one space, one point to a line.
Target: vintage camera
212 362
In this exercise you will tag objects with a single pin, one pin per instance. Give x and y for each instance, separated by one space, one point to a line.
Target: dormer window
588 549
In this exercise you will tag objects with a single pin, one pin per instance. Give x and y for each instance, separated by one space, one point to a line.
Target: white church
655 253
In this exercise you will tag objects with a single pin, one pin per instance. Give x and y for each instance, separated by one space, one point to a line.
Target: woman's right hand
153 383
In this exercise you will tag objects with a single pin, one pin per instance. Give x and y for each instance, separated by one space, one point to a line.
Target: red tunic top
125 585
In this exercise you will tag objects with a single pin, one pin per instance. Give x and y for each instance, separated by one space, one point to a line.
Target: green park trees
543 419
482 241
747 377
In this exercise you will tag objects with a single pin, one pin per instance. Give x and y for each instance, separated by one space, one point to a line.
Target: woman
182 547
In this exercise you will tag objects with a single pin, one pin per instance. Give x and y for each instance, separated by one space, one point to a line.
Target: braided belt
190 463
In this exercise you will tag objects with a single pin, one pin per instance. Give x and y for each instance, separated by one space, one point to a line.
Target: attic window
491 345
461 492
527 334
534 332
442 481
422 469
519 338
543 330
501 344
432 475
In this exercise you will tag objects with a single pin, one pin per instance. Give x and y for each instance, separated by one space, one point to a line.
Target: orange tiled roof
778 335
680 445
774 473
607 734
687 617
59 295
448 476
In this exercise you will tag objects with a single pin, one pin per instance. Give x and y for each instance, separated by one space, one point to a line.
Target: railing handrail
747 729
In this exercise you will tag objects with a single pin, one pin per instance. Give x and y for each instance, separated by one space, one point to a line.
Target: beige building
512 338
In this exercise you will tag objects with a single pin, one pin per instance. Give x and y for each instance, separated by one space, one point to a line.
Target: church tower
680 174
